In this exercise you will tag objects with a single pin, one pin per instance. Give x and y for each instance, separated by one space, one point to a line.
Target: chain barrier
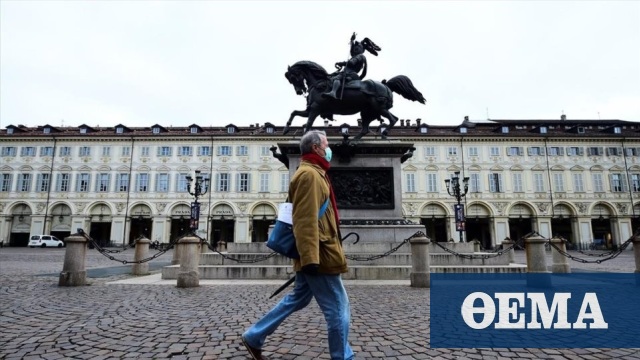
106 252
495 253
611 255
127 247
375 257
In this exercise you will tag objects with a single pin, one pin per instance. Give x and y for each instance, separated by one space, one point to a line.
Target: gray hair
309 139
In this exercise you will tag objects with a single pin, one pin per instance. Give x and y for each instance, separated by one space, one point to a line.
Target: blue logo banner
581 310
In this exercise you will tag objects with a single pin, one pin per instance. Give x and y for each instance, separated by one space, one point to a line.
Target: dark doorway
261 229
19 239
140 226
222 230
179 227
562 227
479 228
101 233
435 228
601 228
61 234
518 228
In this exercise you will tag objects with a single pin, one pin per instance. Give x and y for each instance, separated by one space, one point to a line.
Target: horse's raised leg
312 115
365 127
392 121
294 113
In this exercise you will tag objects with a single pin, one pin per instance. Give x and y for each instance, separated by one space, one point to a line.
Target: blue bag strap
323 208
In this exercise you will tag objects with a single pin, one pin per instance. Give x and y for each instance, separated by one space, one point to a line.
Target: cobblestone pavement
39 320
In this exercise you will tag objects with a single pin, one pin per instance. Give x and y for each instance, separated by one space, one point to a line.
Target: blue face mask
327 154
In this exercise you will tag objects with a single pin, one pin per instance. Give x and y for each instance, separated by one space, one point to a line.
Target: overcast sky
212 63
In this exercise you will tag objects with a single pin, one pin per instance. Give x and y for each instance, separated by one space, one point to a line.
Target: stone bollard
476 245
73 271
142 251
204 248
537 262
177 254
560 263
511 253
189 261
420 262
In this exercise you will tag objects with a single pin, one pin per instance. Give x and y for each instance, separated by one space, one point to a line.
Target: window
194 130
517 182
65 151
123 182
184 151
494 151
538 182
432 182
102 185
558 182
142 182
82 182
578 184
62 182
42 182
430 151
119 130
144 151
231 130
269 130
155 130
495 183
106 151
423 130
224 150
556 151
594 151
162 182
264 150
543 129
164 151
24 182
618 183
9 131
9 151
473 151
182 185
580 130
244 182
222 182
204 151
126 151
505 129
28 151
243 150
83 130
46 150
617 130
411 182
635 182
631 151
84 151
264 181
452 151
5 183
284 182
535 151
614 151
598 185
515 151
474 183
463 130
575 151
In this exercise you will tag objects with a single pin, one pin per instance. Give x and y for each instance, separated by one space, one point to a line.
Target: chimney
563 117
257 125
402 122
408 123
326 123
466 118
418 120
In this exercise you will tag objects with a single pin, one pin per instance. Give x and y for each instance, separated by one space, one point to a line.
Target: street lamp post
453 188
199 188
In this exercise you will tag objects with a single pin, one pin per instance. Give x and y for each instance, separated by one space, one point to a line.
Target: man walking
321 260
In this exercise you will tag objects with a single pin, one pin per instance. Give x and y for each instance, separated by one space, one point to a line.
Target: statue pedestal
367 179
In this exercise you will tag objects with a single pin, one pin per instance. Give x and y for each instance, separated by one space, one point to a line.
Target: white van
45 241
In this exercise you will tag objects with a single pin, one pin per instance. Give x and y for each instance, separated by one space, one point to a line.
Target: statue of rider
351 68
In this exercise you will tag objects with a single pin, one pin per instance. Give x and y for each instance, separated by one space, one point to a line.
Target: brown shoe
256 354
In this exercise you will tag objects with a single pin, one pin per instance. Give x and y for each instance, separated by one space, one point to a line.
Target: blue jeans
333 301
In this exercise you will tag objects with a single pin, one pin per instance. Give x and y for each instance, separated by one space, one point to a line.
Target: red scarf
324 164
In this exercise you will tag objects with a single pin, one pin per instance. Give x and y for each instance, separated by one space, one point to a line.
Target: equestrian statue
345 93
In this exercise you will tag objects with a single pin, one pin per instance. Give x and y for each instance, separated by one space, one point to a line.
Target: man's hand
310 269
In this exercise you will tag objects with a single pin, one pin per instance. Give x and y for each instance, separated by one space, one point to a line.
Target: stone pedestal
142 251
73 271
420 262
560 262
511 254
177 250
537 262
189 261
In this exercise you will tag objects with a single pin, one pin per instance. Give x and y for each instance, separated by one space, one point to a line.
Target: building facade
579 179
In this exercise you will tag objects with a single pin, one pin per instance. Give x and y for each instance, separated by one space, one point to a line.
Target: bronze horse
372 99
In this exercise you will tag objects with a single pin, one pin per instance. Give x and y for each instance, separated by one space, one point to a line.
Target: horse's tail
402 85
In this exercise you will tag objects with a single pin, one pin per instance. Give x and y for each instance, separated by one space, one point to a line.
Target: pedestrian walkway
121 316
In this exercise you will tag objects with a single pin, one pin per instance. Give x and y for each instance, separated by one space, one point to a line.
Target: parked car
45 241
